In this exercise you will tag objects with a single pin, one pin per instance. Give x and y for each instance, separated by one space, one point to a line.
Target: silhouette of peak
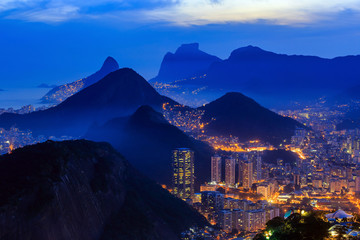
186 62
110 63
234 98
250 48
122 72
147 114
249 51
188 48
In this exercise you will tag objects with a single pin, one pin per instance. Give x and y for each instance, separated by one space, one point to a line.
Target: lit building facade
183 173
212 202
247 169
216 169
230 171
225 220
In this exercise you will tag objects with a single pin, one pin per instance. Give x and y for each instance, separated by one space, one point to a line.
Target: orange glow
11 148
298 152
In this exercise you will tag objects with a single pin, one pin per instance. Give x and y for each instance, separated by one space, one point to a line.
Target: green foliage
296 227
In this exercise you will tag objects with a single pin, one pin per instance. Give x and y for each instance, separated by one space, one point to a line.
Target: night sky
59 41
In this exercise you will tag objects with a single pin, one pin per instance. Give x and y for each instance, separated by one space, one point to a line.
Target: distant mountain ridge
270 77
187 61
118 94
146 139
62 92
82 190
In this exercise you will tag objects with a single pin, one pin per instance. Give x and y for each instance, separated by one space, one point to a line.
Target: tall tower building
230 171
183 172
247 169
256 159
216 169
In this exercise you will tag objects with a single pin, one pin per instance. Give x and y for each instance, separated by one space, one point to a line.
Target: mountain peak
249 51
235 98
238 115
146 113
188 61
188 48
110 63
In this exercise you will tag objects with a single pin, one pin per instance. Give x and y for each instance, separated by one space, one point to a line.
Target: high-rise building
230 171
216 169
254 220
297 179
357 184
238 219
211 203
183 172
247 169
256 158
225 220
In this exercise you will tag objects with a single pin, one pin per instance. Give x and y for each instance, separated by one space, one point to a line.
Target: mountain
237 115
259 71
146 139
118 94
83 190
351 120
62 92
350 96
187 61
274 79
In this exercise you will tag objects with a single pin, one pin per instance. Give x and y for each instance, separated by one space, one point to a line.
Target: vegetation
309 226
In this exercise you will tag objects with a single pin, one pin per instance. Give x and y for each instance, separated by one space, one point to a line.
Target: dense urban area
253 182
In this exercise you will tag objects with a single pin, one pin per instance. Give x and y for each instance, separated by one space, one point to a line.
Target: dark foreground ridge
84 190
146 139
238 115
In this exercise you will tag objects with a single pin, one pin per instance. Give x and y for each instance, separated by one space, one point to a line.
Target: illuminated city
179 120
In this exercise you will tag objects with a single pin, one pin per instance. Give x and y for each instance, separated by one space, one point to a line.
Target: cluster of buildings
225 210
16 138
22 110
233 214
245 190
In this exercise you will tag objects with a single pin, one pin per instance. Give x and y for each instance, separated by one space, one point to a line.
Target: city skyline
179 119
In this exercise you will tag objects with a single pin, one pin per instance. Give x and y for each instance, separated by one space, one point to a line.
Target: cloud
287 12
49 15
6 5
182 12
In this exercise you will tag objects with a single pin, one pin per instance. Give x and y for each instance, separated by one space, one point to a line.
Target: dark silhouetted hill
118 94
187 61
62 92
276 80
83 190
350 96
146 139
237 115
255 70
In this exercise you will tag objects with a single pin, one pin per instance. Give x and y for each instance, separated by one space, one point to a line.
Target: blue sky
58 41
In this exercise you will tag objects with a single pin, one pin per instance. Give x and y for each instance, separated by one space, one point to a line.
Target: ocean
18 97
